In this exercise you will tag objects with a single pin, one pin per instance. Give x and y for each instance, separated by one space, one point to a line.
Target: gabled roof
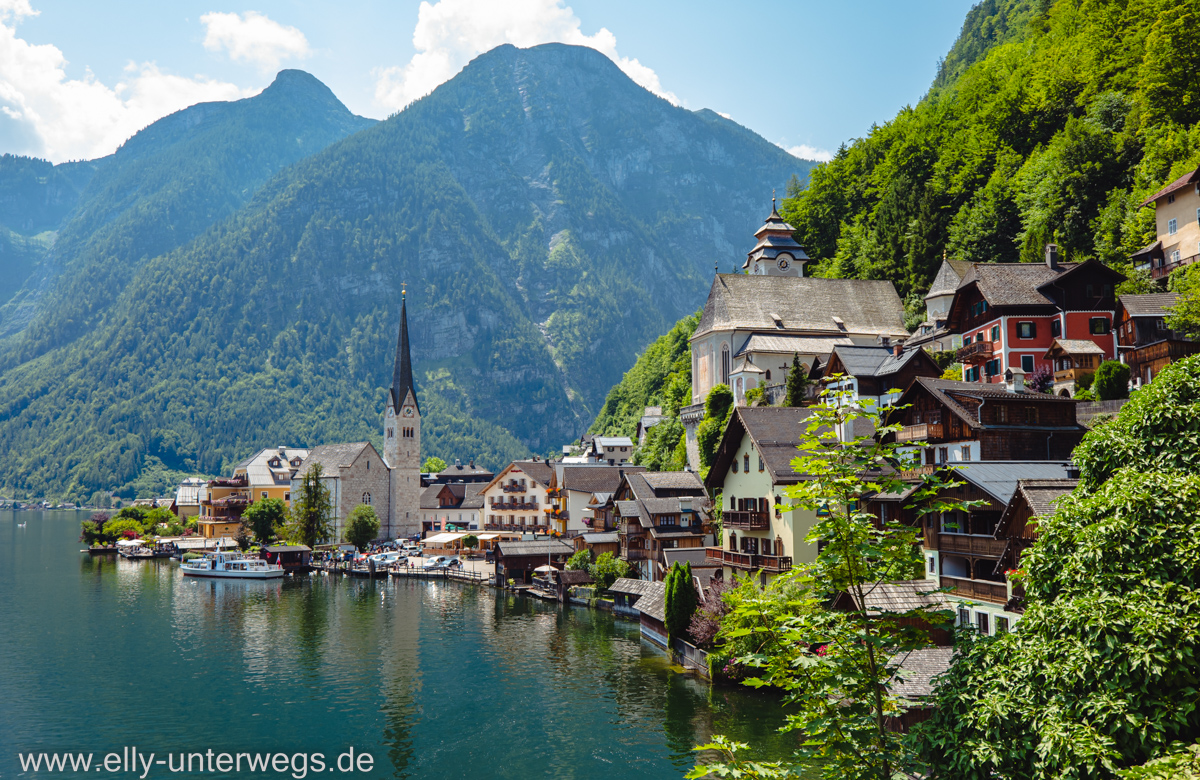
540 471
653 602
595 479
1182 182
897 596
948 391
458 470
1074 347
1040 495
673 480
874 361
536 547
333 456
1152 305
630 586
1025 284
948 278
741 302
999 478
574 577
915 670
466 495
608 537
775 432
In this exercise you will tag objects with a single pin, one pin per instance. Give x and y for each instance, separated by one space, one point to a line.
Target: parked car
439 562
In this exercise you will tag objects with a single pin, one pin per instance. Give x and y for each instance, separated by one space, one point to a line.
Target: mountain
1048 122
162 188
548 217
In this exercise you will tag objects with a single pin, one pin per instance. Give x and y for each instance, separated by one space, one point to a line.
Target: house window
995 333
1031 414
1171 199
264 494
1027 363
1002 414
1055 328
964 617
943 454
367 499
932 565
965 452
762 466
287 496
768 375
1098 326
1001 625
1026 330
981 619
1172 227
746 463
725 363
368 464
735 465
1175 256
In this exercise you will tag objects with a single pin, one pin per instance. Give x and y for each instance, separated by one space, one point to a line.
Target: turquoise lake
430 679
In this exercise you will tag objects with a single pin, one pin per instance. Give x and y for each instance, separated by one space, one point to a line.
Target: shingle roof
693 555
900 596
540 471
332 457
948 277
429 497
595 479
653 602
1180 183
630 509
614 441
536 547
1076 347
791 345
473 496
458 470
630 586
1152 305
1014 284
873 361
574 577
662 506
1040 494
673 480
738 301
775 431
915 670
672 532
999 478
610 537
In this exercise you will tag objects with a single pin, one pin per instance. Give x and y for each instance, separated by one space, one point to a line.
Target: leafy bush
580 561
1112 381
753 395
120 526
362 526
433 465
608 569
266 518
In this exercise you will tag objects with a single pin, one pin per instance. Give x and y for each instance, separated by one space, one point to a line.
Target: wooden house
517 560
656 511
1146 344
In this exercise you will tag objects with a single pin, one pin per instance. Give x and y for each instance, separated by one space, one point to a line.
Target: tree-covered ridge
36 195
548 216
1077 111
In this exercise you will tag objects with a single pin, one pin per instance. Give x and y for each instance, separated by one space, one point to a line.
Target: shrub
608 569
1112 381
362 526
580 561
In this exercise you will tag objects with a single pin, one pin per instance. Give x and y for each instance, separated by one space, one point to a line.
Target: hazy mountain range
230 278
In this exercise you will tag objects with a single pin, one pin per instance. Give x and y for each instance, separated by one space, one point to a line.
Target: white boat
231 565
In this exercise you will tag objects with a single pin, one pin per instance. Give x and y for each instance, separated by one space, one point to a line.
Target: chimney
458 463
897 350
1052 256
1014 380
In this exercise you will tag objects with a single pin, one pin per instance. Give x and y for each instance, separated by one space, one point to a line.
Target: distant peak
293 82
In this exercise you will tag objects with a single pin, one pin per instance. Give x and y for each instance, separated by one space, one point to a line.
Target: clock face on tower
783 264
408 411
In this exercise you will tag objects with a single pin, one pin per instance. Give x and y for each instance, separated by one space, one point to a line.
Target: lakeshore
433 678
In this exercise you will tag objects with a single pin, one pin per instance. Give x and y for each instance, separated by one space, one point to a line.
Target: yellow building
221 510
265 475
1177 221
751 470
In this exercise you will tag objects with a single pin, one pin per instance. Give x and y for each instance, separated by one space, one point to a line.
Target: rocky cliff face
549 219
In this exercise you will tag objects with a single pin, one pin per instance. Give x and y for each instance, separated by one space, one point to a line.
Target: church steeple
402 374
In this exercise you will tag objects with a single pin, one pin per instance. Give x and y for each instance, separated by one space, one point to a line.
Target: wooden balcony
510 488
982 590
976 546
979 352
920 432
748 521
636 554
514 507
1162 269
1172 349
748 561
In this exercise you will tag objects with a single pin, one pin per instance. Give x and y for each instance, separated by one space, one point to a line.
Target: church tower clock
776 253
402 438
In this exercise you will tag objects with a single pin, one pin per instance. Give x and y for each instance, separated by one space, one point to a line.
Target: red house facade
1009 314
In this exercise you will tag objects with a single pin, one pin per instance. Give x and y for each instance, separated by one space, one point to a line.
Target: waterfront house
354 474
222 506
1145 342
518 560
1177 227
189 496
969 551
516 501
451 506
656 511
571 489
1073 359
962 422
762 319
1008 314
598 543
751 471
625 592
269 472
652 613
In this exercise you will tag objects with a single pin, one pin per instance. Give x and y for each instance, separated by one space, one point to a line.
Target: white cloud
44 113
252 37
451 32
806 152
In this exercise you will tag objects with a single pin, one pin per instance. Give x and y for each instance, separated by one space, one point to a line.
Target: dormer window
777 320
840 324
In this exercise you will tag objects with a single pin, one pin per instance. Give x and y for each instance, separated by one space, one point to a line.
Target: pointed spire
402 375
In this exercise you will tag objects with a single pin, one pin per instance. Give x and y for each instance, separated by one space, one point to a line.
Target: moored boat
231 565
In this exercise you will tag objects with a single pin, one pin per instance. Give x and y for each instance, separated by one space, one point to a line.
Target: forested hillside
548 216
1049 122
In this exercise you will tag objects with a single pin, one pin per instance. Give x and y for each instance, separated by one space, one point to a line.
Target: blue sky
77 77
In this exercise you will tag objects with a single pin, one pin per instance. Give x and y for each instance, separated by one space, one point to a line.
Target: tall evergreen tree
310 520
797 383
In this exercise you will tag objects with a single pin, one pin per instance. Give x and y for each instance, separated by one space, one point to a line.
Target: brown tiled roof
775 431
1014 284
1152 305
672 480
1076 347
738 301
946 390
899 596
595 479
1040 494
1179 184
539 470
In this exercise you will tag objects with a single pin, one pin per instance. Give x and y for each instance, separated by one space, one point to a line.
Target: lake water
430 679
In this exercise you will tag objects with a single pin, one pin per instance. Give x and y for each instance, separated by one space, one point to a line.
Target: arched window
725 364
367 499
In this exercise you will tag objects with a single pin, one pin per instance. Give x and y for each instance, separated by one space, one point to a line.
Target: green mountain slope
1050 122
548 216
162 188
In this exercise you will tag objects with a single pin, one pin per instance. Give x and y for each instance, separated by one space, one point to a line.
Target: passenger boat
143 551
231 565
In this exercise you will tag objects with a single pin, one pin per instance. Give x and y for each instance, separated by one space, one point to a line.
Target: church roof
790 304
949 276
402 374
332 457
